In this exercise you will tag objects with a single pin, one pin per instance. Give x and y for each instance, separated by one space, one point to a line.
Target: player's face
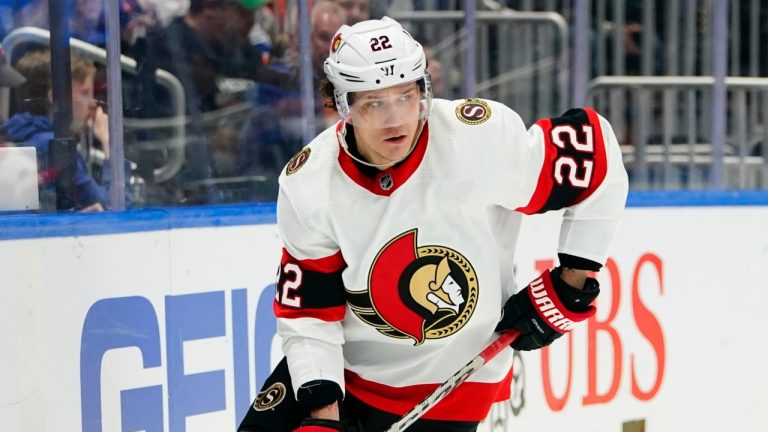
386 122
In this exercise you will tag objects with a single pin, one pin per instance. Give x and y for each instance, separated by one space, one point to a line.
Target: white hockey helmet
373 55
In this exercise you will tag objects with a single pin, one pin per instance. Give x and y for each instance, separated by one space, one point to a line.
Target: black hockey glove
546 309
316 394
321 425
276 410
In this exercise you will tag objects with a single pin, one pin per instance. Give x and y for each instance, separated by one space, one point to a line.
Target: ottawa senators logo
473 111
270 397
336 43
297 161
426 292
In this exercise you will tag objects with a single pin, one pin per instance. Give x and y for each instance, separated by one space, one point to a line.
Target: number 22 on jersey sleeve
574 161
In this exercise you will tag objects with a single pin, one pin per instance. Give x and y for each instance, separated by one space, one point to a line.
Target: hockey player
399 227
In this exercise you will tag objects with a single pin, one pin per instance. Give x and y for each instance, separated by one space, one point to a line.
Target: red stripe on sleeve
329 314
544 186
329 264
601 160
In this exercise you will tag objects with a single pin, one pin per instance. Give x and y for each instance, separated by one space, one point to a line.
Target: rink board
161 320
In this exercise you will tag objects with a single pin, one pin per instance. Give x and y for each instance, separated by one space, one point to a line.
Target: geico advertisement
173 330
155 331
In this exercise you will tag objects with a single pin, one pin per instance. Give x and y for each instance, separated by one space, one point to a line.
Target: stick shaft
459 377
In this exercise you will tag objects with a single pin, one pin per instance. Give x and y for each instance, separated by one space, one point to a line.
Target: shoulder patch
270 398
473 111
297 161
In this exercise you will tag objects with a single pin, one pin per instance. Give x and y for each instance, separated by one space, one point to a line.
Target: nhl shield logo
417 292
386 182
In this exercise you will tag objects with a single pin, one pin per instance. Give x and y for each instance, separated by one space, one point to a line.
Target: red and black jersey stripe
455 406
574 164
310 288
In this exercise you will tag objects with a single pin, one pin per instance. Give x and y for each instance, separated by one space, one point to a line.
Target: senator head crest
426 292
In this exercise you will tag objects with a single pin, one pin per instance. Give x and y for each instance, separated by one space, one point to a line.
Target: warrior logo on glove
547 307
426 292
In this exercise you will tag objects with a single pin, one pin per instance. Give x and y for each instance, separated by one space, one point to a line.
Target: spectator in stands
167 10
137 18
265 33
239 16
357 10
23 13
185 49
202 49
34 126
237 56
325 20
209 42
274 131
87 22
86 18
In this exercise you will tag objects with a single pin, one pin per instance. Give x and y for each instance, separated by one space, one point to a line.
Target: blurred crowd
213 108
238 63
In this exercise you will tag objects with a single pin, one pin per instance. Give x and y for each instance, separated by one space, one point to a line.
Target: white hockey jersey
392 281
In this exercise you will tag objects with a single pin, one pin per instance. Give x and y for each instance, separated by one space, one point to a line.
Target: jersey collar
383 182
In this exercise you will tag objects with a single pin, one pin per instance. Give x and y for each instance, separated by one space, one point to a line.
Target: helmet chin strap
342 133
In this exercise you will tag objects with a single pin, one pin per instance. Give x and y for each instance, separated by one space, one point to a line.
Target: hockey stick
459 377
